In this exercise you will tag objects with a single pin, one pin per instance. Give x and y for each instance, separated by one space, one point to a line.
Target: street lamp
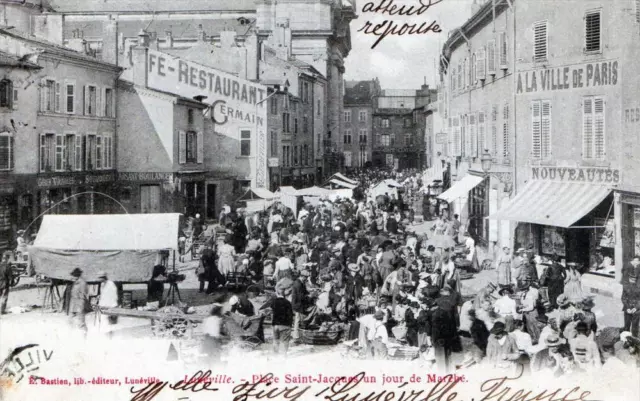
486 161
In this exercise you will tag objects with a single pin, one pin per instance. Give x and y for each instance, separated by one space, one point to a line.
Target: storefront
146 192
571 213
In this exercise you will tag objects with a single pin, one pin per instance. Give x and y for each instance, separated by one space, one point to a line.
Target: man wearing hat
502 351
354 284
108 292
631 296
506 307
79 301
299 300
584 349
529 296
546 358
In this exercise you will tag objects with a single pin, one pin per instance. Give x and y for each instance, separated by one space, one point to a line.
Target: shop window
6 93
245 143
6 151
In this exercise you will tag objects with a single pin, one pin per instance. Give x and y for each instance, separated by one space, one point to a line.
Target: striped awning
550 203
461 188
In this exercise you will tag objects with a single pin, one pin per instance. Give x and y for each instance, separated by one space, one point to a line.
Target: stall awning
109 232
342 184
461 188
550 203
345 179
257 193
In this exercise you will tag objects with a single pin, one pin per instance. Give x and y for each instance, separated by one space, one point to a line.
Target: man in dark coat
354 283
443 331
299 301
5 284
553 278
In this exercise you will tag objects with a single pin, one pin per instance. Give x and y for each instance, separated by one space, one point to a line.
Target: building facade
575 88
357 134
477 105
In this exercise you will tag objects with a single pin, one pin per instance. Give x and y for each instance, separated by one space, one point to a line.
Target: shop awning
341 184
344 178
550 203
461 188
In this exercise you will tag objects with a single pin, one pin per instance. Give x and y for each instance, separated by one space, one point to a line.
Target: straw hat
353 267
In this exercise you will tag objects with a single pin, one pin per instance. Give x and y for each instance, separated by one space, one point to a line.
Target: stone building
357 134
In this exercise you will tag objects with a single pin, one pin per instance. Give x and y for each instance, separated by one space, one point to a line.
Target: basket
404 353
316 337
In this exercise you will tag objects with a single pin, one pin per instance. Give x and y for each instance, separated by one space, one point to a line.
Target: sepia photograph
343 200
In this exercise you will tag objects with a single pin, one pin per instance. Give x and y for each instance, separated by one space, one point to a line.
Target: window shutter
491 57
494 130
592 31
545 142
86 100
473 135
481 63
474 69
78 145
99 99
481 133
599 127
587 128
11 158
503 50
43 94
456 136
464 74
42 153
535 130
505 132
57 97
637 10
540 41
200 143
182 147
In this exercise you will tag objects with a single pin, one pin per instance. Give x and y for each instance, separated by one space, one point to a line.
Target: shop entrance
211 201
194 198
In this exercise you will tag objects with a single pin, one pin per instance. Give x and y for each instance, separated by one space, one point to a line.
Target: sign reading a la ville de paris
587 75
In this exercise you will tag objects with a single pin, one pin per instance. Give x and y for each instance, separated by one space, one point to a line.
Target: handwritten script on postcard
414 388
397 23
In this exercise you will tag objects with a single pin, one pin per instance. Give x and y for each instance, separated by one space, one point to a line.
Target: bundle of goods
327 334
367 304
402 352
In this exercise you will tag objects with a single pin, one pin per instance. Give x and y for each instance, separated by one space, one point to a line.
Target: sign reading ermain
577 174
588 75
236 104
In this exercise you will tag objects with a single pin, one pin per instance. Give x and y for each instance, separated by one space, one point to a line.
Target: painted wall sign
72 180
144 176
578 76
236 104
578 174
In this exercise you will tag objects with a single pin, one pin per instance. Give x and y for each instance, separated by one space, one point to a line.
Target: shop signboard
577 174
71 180
144 176
576 76
237 105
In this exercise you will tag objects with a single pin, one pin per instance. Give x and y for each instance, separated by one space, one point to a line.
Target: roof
551 203
146 6
9 60
53 48
109 232
128 85
305 66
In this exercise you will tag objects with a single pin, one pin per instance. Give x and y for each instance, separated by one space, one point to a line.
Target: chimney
139 65
475 7
227 39
169 39
143 38
202 36
110 41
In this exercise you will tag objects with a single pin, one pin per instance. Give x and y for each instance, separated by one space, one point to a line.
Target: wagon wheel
170 327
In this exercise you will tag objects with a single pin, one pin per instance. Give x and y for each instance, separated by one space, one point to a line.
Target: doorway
211 201
149 198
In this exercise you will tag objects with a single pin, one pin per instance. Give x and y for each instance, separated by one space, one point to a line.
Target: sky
402 62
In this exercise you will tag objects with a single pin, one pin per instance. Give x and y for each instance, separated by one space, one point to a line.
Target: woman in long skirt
573 284
504 268
226 254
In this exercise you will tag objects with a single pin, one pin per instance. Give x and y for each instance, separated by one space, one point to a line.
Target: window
385 123
452 72
78 153
47 152
284 156
274 105
457 142
363 136
473 139
481 64
6 94
407 122
362 116
318 107
90 153
593 127
592 33
295 125
347 136
108 103
540 129
474 67
305 125
305 92
481 133
408 140
245 142
460 77
107 146
503 50
274 144
295 155
191 145
491 57
464 122
540 41
189 116
70 151
99 154
90 100
494 130
50 96
70 97
392 139
505 132
6 151
347 116
305 157
385 140
285 122
347 159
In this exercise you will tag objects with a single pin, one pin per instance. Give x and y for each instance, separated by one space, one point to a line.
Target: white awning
342 184
461 188
313 191
258 193
287 190
344 178
559 204
109 232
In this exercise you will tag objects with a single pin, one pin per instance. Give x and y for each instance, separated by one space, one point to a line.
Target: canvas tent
314 191
334 182
257 193
125 246
344 178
